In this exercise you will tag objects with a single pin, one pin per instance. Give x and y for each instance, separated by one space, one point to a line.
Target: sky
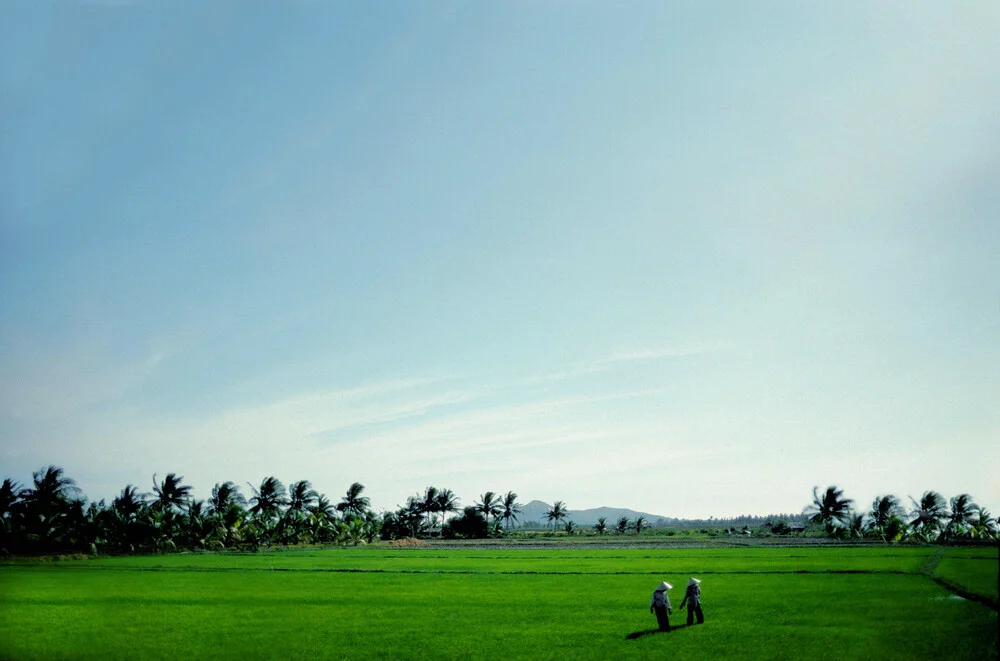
690 259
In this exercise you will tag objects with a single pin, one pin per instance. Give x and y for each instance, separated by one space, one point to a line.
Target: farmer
660 604
692 597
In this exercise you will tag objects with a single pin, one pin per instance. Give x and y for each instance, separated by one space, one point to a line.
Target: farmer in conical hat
692 597
660 604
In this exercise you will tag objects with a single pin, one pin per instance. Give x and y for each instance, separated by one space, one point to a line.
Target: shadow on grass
647 632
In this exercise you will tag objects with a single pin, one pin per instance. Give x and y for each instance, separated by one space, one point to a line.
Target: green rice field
496 603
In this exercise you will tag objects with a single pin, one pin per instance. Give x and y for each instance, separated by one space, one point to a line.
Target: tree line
50 515
930 519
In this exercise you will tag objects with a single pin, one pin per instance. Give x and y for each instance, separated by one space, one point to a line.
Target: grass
760 603
974 570
600 561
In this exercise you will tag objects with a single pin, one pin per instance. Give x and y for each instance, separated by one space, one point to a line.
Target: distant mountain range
536 509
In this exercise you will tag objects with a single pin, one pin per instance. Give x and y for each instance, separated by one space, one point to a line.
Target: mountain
536 509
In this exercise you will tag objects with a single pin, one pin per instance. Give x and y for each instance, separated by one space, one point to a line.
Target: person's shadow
647 632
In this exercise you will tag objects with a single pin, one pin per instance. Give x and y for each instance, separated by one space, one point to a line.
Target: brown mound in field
408 542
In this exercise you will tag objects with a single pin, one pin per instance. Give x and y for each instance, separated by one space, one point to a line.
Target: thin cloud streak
624 357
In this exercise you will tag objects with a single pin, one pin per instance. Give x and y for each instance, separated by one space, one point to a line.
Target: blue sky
689 260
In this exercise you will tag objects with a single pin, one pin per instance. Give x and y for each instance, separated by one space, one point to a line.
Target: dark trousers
661 617
695 610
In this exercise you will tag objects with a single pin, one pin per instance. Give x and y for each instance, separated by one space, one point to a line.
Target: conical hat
663 586
694 581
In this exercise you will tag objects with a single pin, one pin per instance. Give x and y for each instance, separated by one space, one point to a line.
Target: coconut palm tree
963 509
301 496
324 526
556 513
373 526
130 502
430 504
928 513
10 506
225 496
128 520
49 505
50 490
447 502
295 521
983 524
200 529
267 501
640 525
412 515
884 510
171 495
829 508
10 495
622 525
323 508
601 526
489 505
354 503
855 525
171 499
226 510
510 508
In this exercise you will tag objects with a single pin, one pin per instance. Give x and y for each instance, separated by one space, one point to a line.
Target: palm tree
170 494
489 505
510 508
267 501
556 513
962 510
224 496
447 502
855 525
295 522
355 530
928 513
10 495
10 504
430 504
323 508
49 505
226 509
829 508
130 502
602 526
884 510
622 525
984 525
129 524
323 518
354 503
640 524
373 526
301 496
50 489
412 515
200 529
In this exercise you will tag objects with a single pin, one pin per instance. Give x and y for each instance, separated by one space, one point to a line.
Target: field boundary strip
965 594
930 566
477 572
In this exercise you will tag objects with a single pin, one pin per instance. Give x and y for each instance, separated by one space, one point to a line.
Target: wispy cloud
619 358
658 354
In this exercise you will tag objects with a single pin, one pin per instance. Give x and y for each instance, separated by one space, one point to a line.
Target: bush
470 525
